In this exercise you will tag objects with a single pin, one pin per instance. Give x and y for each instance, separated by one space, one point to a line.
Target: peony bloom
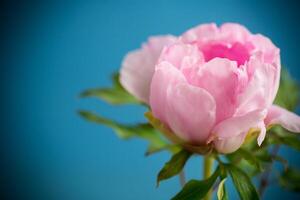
138 66
211 85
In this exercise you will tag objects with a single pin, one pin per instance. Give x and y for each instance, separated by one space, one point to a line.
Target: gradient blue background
54 50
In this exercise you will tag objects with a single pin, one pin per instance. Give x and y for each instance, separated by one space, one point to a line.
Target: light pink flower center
236 52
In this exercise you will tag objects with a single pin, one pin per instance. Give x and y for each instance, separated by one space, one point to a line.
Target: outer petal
191 112
200 33
234 32
221 79
165 76
287 119
138 66
258 93
236 125
229 135
229 145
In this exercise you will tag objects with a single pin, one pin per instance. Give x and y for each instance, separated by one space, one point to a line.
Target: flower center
236 52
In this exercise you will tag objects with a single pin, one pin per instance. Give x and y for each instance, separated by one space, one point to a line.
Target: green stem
207 171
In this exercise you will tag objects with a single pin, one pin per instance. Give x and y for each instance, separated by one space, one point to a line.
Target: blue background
55 50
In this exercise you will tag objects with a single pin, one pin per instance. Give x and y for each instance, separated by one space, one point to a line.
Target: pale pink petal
221 79
138 66
178 53
229 145
229 135
201 33
234 32
287 119
262 133
259 91
236 125
165 76
191 112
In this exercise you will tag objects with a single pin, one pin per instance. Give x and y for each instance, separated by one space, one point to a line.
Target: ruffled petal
259 92
234 32
221 79
200 33
287 119
236 125
138 66
229 145
165 76
191 112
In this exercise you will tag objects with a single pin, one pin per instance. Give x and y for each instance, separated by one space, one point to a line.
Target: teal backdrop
53 50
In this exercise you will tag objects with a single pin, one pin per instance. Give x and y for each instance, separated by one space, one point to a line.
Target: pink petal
234 32
236 125
178 54
262 133
287 119
199 33
191 112
229 135
138 66
229 145
164 77
221 79
259 92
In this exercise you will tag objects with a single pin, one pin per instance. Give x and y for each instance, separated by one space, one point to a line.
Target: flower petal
200 33
138 66
221 79
191 112
287 119
165 76
260 89
229 145
236 125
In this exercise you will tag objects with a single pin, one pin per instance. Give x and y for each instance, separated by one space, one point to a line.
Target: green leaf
222 194
288 93
242 182
249 157
195 190
143 130
113 96
173 166
282 136
290 179
169 147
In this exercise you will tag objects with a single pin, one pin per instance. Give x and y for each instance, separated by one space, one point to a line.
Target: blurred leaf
173 166
249 157
242 183
145 131
290 179
115 95
222 194
282 136
169 147
195 190
288 92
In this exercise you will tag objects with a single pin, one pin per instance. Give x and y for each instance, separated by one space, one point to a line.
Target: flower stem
207 171
182 178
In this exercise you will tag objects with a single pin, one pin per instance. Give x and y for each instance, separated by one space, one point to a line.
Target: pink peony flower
138 66
210 85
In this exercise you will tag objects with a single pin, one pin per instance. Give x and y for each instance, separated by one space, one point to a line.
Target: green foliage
144 130
288 92
115 95
290 179
195 190
174 166
222 193
242 183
